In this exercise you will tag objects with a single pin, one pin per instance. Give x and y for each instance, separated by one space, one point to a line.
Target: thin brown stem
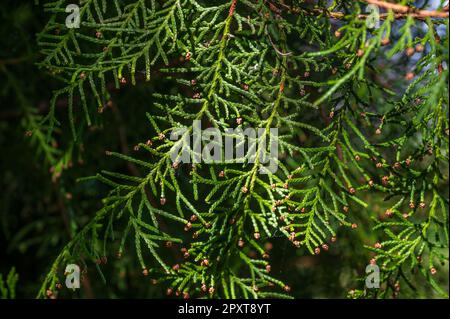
399 8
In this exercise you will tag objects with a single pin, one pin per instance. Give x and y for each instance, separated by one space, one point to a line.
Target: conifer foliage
362 116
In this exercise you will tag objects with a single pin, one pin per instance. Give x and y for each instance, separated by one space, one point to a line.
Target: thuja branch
266 64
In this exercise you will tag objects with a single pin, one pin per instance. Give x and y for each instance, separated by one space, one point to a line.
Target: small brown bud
194 218
239 121
333 239
377 245
409 76
205 263
244 189
145 272
186 295
408 162
221 174
287 288
360 53
354 226
176 267
419 48
385 41
292 236
337 34
162 201
169 291
351 190
257 235
422 205
325 247
388 213
433 271
410 51
268 268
